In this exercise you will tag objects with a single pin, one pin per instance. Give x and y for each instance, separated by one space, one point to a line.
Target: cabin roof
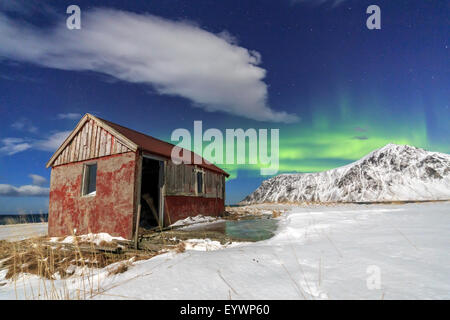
134 140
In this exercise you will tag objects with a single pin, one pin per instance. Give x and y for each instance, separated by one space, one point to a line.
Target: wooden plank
111 147
67 141
97 142
85 140
113 144
89 140
118 146
102 143
136 232
79 147
64 156
67 155
121 147
111 151
93 139
108 144
75 148
71 151
92 248
82 138
61 156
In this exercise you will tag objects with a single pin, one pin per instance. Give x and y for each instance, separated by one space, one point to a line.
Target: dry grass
276 213
120 268
181 247
51 261
106 244
252 212
59 265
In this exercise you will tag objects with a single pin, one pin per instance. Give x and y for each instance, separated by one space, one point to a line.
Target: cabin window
89 180
200 186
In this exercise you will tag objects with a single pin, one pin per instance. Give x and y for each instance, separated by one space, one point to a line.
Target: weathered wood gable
91 141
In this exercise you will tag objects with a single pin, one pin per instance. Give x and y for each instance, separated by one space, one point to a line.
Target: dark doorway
150 192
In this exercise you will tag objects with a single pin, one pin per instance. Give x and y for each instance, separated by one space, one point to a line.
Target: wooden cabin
103 171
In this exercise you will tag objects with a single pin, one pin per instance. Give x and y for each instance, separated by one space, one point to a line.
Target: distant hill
23 218
391 173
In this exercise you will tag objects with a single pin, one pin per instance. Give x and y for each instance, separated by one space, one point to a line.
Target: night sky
310 68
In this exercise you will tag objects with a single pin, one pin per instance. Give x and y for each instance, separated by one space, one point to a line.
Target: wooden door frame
161 188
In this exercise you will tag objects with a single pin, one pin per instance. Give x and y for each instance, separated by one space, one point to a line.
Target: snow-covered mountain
391 173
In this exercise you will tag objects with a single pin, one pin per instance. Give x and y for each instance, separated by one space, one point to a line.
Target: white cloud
37 180
13 145
52 142
70 116
7 190
24 124
175 58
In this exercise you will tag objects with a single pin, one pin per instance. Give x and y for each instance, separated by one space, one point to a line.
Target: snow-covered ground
341 252
22 231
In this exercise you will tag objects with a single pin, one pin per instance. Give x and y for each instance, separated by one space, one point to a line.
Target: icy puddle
252 230
246 230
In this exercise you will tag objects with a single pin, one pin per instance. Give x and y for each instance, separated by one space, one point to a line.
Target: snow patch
208 245
95 238
195 220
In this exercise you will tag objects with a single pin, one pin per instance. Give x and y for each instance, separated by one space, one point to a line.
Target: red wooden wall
181 207
111 210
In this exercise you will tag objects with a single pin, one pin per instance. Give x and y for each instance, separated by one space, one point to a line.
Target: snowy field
342 252
13 232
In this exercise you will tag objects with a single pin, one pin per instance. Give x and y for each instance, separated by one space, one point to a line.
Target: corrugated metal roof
156 146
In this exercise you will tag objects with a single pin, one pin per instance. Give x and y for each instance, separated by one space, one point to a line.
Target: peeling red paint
111 210
180 207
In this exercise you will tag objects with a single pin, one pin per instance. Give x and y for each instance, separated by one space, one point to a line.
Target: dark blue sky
335 89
